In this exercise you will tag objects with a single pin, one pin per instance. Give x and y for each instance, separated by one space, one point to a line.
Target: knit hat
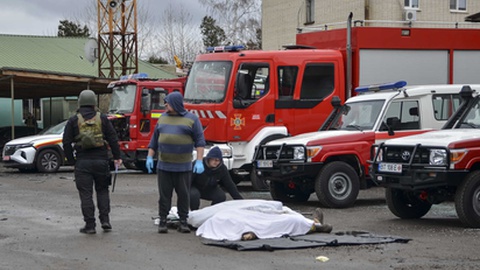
215 152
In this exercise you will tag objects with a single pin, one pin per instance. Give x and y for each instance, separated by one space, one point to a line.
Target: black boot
88 230
162 226
183 227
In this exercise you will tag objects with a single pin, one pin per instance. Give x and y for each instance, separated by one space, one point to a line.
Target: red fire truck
136 104
246 98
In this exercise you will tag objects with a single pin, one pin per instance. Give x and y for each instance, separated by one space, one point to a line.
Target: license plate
6 158
390 167
264 163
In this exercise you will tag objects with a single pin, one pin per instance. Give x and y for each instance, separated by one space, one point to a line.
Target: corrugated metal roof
56 55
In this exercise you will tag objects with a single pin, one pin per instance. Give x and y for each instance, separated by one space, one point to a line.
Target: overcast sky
41 17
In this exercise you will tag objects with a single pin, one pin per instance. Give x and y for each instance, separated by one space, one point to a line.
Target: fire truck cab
136 104
246 98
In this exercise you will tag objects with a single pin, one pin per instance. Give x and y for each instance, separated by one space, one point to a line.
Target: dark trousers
91 174
167 183
214 194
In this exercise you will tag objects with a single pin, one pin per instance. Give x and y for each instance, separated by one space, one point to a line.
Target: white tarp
230 219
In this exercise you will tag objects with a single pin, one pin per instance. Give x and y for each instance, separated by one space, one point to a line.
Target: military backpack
90 132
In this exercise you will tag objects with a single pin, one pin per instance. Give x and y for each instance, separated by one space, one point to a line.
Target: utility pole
117 38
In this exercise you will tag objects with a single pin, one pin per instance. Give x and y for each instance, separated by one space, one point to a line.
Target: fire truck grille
403 154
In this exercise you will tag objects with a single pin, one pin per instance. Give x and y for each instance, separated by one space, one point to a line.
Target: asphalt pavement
40 218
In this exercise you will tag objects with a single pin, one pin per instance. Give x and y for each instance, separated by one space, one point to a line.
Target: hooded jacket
212 177
175 136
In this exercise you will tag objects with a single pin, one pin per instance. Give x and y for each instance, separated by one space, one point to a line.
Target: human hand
198 168
149 164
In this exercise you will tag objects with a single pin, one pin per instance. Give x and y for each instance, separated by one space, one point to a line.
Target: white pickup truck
332 162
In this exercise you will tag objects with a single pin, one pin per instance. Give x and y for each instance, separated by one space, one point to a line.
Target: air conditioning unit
410 15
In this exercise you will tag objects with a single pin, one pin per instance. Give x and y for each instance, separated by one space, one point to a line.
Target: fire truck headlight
299 153
226 152
438 157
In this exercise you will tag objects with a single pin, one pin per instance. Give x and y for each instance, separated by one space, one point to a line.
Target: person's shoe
318 216
87 230
323 228
162 227
106 226
183 227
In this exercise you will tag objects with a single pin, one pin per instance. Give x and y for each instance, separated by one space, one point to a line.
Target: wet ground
40 217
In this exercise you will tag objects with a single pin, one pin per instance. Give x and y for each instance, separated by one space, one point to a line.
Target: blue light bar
133 76
380 87
232 48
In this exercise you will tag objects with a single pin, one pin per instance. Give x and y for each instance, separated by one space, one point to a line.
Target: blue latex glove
198 167
149 164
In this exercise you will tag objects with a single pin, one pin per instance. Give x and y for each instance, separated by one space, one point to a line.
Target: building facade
282 19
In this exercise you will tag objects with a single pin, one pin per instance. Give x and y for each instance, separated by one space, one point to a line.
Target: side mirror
336 102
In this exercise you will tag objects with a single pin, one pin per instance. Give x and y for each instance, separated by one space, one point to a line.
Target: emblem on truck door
237 122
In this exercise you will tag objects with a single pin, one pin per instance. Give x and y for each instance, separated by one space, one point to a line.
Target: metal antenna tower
117 38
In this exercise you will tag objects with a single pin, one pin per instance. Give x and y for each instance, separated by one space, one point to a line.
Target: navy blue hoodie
212 177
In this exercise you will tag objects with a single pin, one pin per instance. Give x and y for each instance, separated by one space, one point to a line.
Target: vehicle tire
405 204
467 200
258 184
48 161
337 185
282 192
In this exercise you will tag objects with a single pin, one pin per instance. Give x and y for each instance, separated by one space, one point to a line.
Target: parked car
42 152
20 131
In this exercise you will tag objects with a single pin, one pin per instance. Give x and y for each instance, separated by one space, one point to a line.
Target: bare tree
240 19
177 36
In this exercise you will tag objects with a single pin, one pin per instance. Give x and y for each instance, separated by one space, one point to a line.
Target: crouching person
210 184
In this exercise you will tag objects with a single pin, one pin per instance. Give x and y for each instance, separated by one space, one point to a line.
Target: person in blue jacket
210 184
176 134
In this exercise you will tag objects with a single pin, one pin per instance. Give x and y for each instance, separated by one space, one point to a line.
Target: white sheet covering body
230 219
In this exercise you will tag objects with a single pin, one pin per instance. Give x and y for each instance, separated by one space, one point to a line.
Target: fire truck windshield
207 82
123 98
360 115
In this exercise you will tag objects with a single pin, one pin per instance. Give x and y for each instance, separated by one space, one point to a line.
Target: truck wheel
282 192
405 204
337 185
48 161
258 184
467 200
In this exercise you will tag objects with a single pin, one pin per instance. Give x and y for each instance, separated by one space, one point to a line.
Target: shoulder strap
80 119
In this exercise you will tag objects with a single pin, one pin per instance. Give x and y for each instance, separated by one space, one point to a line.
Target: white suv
42 152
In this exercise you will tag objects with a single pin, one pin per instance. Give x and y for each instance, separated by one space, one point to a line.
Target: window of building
318 81
458 5
310 11
411 3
